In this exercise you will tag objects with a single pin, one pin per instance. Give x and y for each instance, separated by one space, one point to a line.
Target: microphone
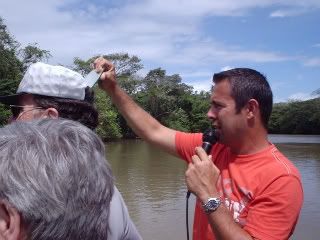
209 138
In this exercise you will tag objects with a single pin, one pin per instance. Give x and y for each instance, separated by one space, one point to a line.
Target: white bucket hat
47 80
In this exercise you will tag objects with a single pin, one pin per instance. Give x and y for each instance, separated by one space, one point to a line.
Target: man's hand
202 176
108 76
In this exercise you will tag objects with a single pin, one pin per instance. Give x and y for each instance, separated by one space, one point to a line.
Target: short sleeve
274 213
186 144
120 224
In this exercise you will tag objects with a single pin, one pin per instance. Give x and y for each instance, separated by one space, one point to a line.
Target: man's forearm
133 113
224 226
141 122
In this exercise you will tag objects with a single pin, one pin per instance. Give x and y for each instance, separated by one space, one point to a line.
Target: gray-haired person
55 183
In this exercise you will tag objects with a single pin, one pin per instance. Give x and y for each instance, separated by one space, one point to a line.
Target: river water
152 184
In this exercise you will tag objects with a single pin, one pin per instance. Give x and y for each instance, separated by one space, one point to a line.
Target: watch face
212 204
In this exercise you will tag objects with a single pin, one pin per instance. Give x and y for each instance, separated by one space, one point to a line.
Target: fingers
187 176
201 178
215 169
195 159
201 157
202 154
188 171
103 65
107 74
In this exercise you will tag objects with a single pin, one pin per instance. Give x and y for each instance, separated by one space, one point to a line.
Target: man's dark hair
77 110
248 84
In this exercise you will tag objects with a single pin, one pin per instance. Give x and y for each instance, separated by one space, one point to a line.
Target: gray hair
54 172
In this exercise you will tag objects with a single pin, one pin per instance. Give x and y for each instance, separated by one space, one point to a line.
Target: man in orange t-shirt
246 189
262 190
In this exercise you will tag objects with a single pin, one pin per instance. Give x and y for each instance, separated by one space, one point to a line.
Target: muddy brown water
152 184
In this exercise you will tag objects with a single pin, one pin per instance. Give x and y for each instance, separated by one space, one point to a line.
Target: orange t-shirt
263 191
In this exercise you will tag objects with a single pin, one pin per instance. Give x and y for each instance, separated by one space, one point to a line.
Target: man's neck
252 142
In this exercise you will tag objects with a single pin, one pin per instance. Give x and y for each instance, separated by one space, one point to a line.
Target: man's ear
10 222
252 108
51 113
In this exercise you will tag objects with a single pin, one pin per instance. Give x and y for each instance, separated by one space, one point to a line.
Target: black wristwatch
211 205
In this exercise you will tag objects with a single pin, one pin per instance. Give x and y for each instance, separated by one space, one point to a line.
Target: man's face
222 113
26 109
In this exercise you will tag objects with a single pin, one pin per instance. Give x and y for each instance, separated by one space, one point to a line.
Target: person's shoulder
282 160
188 136
120 223
279 164
187 140
272 170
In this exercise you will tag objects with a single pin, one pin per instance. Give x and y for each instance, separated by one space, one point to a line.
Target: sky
195 39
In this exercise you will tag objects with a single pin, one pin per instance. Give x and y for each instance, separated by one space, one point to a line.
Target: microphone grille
210 135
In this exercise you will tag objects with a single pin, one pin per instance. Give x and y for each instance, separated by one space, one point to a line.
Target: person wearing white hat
48 91
54 92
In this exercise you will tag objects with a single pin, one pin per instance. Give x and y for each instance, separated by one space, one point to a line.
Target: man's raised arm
142 123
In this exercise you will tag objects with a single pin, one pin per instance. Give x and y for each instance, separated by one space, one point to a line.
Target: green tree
178 120
111 124
126 68
82 66
10 66
276 118
172 102
160 93
198 114
7 41
108 127
296 117
13 62
125 64
316 92
32 54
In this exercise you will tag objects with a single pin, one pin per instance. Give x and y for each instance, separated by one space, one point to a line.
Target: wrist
211 204
205 196
109 87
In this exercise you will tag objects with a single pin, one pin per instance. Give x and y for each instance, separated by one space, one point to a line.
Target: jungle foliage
172 102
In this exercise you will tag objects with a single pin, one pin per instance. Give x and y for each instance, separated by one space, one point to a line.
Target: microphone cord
187 213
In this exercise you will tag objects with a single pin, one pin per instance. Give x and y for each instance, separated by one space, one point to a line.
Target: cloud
199 80
312 62
196 74
168 35
226 68
150 29
288 12
206 51
204 84
317 45
300 96
293 8
154 30
200 8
